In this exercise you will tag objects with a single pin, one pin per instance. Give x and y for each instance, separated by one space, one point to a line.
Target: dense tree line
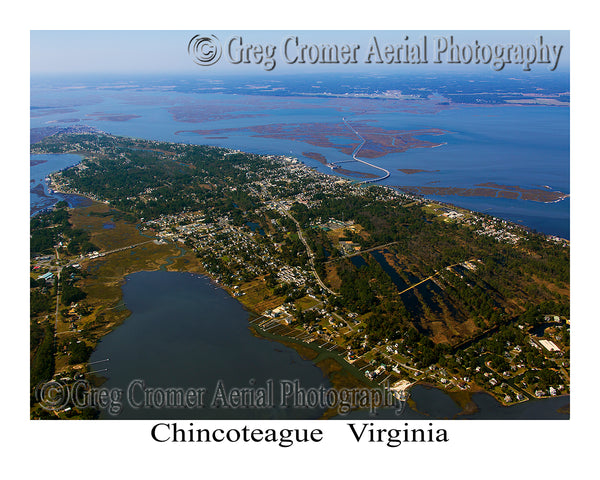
47 229
42 363
39 302
168 178
79 352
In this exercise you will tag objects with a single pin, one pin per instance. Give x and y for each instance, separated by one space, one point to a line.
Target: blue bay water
186 332
432 403
524 146
508 145
40 196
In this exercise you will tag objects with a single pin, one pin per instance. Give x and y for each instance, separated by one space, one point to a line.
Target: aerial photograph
299 225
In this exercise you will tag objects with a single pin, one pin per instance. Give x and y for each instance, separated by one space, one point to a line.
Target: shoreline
317 356
337 173
394 188
169 263
464 399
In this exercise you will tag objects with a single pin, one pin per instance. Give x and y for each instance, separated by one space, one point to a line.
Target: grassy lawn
306 302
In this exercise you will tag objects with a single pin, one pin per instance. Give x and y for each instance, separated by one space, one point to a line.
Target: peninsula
398 288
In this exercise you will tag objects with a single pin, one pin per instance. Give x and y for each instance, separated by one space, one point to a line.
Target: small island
490 189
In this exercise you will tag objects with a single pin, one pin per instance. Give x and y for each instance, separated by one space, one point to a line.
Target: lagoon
40 196
185 331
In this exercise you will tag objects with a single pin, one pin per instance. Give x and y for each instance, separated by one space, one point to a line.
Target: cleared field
307 302
104 275
258 297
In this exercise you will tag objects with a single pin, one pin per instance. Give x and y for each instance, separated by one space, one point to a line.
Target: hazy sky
166 52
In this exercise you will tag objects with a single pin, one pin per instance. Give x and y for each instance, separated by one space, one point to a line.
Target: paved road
367 250
57 302
357 149
431 276
311 259
125 248
77 261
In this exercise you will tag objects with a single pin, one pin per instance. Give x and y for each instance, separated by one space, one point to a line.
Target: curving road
311 259
355 152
